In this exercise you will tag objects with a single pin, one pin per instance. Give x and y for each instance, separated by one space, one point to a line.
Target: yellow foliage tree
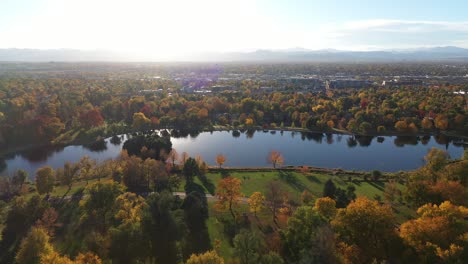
439 233
368 225
256 201
210 257
140 121
33 246
326 207
129 207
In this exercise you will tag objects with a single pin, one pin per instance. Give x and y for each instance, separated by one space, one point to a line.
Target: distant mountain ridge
447 53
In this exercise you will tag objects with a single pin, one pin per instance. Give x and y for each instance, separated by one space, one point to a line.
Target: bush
381 129
376 175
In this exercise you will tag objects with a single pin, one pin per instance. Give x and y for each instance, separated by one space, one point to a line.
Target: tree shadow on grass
378 185
208 184
313 178
292 180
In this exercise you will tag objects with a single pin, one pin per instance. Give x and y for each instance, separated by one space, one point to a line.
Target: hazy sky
175 26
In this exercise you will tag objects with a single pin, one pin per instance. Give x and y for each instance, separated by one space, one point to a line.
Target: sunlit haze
164 29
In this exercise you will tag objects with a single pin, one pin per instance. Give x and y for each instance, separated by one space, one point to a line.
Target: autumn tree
438 233
140 121
48 221
55 258
86 165
435 159
173 156
256 202
220 159
70 172
183 157
129 208
209 257
87 258
33 246
275 158
274 198
127 239
91 118
367 225
326 207
228 194
45 180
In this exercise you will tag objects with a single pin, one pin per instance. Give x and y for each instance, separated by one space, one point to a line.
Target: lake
250 149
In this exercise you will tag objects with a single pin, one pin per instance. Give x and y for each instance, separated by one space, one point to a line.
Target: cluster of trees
129 213
39 111
343 228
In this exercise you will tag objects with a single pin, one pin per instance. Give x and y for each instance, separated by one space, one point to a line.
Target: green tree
98 203
297 237
190 169
45 180
247 246
161 228
329 189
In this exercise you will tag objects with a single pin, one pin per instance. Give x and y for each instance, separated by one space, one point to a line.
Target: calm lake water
250 149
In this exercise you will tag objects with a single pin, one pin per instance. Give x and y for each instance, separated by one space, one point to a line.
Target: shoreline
84 141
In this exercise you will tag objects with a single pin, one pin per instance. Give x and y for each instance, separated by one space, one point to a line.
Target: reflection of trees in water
425 139
317 137
330 139
164 133
236 133
195 133
3 165
181 133
442 140
364 141
273 132
380 139
40 154
351 142
116 140
250 133
97 146
339 137
401 141
459 142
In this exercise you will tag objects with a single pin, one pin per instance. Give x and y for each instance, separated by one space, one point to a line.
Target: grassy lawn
295 183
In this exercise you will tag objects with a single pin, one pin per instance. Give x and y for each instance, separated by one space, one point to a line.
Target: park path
210 197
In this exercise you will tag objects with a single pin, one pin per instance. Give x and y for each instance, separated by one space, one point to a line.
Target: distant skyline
163 29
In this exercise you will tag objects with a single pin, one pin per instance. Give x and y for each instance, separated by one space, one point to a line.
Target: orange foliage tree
220 159
275 158
439 234
228 194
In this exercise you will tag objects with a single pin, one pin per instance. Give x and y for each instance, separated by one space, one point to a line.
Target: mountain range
448 53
